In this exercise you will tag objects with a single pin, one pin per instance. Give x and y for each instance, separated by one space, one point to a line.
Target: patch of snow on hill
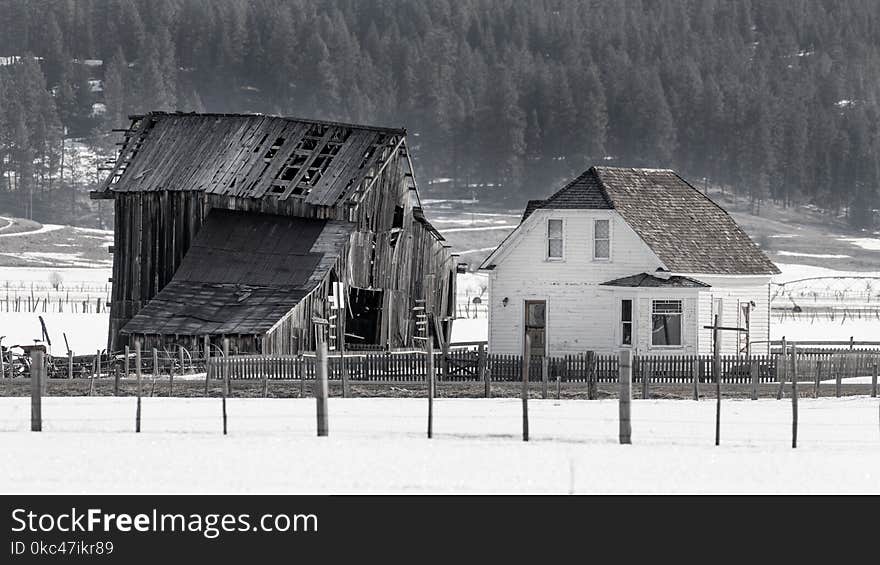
869 243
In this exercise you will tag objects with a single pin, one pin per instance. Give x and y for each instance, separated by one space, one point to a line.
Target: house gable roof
687 231
247 155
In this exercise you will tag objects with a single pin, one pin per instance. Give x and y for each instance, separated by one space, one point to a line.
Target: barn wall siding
154 230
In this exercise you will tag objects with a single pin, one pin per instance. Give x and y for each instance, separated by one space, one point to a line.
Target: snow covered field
378 445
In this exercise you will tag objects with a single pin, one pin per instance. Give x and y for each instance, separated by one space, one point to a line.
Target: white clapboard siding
581 315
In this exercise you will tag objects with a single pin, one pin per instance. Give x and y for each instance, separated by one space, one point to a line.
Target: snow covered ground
379 445
86 333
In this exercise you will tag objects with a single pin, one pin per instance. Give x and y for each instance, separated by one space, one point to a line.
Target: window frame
548 239
631 322
680 315
595 239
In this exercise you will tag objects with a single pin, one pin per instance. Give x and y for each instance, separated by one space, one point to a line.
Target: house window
666 323
601 239
554 239
626 322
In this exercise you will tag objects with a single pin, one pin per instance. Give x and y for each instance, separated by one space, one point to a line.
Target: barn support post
794 396
38 375
137 360
527 348
625 396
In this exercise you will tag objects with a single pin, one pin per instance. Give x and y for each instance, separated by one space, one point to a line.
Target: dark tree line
775 100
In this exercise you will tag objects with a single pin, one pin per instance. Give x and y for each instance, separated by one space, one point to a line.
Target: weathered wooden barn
241 226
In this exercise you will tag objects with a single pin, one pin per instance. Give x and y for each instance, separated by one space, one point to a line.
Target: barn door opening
536 326
363 317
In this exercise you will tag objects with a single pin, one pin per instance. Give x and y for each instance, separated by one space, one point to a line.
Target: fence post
817 380
429 381
155 370
227 367
69 364
781 368
753 369
591 375
794 396
346 383
182 359
716 370
225 376
137 360
482 359
625 396
647 367
207 354
126 362
171 374
96 365
874 381
115 379
838 379
696 369
38 375
526 359
557 386
321 382
544 376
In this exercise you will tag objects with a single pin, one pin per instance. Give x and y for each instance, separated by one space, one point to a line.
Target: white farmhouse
627 258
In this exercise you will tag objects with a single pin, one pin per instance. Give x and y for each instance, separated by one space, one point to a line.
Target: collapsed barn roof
243 272
687 231
247 155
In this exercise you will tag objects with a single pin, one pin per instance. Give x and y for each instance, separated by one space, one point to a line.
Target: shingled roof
247 155
242 273
687 230
646 280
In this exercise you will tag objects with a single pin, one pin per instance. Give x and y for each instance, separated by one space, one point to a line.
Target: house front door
536 326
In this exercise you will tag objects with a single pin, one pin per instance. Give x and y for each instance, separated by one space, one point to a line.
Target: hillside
777 100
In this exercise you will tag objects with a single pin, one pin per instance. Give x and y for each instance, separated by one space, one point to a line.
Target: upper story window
602 239
666 323
554 240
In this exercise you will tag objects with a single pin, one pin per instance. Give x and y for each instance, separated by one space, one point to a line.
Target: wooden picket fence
479 366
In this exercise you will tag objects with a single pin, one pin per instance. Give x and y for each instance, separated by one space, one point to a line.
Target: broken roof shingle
687 230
